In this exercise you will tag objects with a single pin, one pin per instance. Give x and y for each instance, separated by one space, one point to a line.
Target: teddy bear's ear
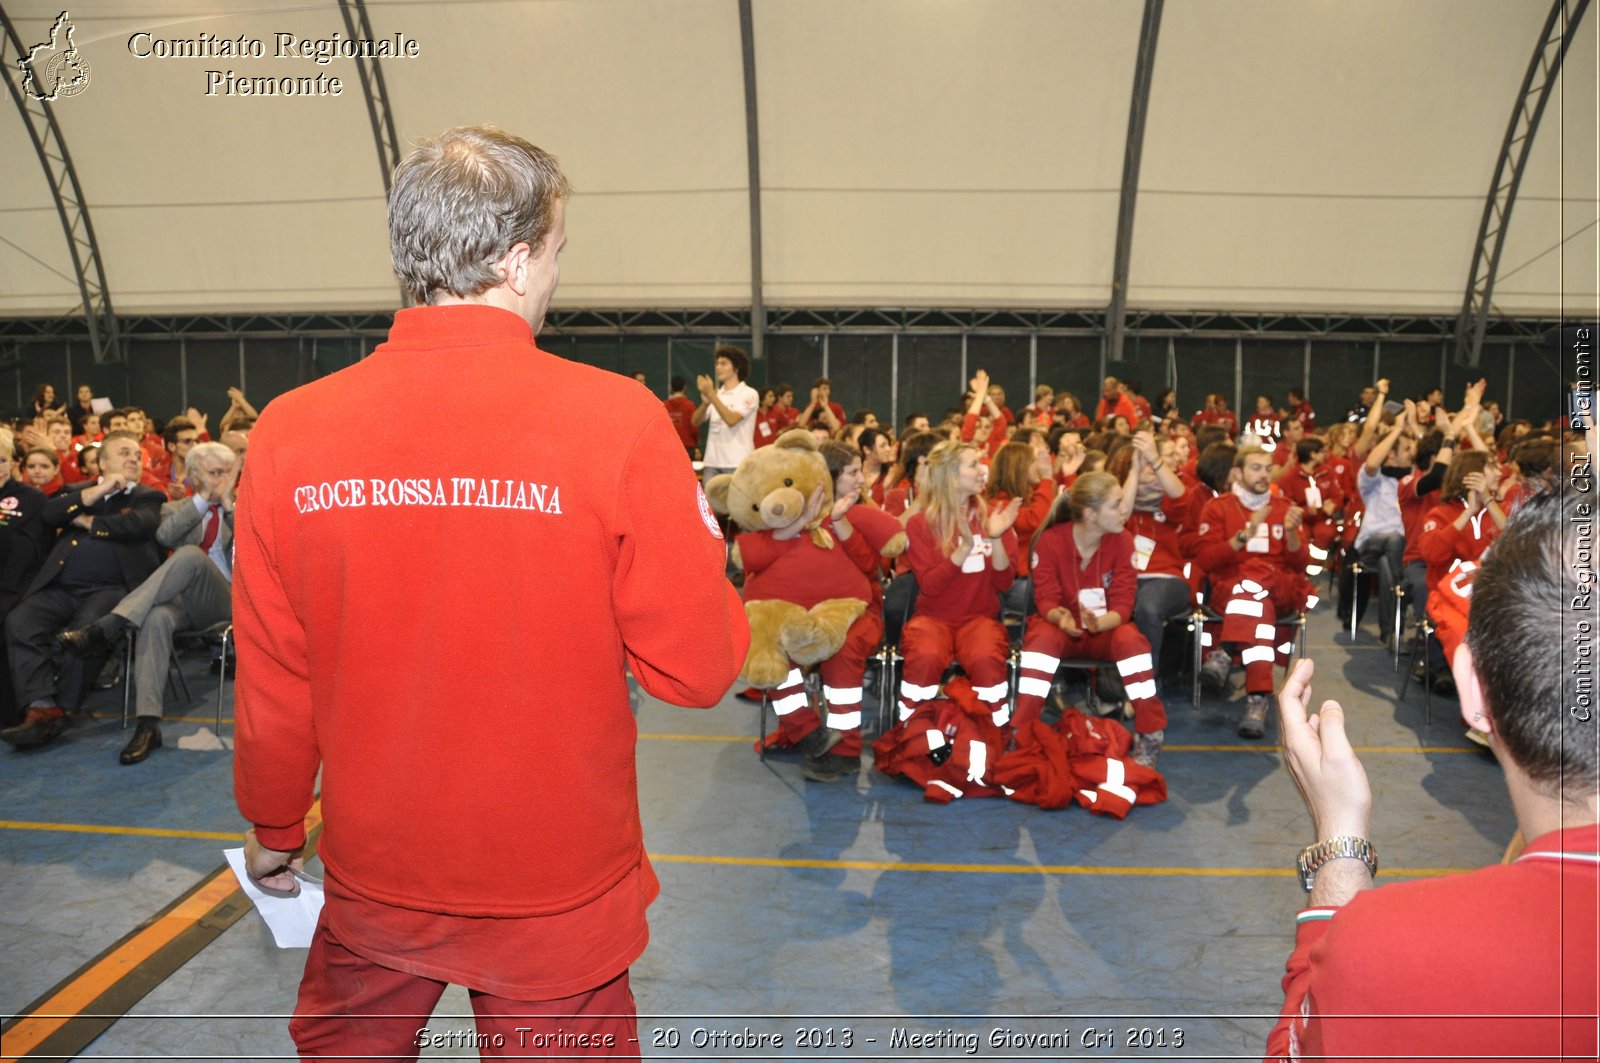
717 492
796 439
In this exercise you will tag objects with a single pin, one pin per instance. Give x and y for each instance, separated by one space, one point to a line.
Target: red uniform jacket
1340 1000
1265 560
1226 418
997 436
798 570
1441 544
946 591
1154 537
374 572
1035 508
681 411
1059 578
1123 406
1414 509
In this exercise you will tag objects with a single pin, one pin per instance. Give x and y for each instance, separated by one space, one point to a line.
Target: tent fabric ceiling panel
35 267
208 201
1294 254
1323 155
937 248
642 102
1553 244
1310 156
941 153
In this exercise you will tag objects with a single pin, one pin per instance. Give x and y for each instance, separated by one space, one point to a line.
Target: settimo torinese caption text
317 51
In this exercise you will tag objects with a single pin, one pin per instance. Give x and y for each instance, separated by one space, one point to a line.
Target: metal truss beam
87 265
1544 69
752 136
736 321
1133 151
359 27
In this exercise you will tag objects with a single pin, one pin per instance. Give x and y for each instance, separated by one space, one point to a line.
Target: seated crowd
118 524
1095 534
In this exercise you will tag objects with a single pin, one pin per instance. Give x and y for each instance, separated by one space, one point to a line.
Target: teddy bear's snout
782 507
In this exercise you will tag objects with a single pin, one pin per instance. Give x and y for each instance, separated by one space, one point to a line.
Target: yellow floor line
92 981
660 736
846 865
151 832
1021 869
204 717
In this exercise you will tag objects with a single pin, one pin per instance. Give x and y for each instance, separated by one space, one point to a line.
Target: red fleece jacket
444 634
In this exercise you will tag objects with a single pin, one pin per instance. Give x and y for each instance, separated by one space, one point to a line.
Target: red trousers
978 643
841 689
353 1009
1251 615
1046 644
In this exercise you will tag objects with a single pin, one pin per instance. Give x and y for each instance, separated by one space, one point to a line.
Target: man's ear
515 268
1474 709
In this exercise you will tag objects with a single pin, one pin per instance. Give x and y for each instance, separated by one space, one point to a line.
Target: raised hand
1000 521
1317 752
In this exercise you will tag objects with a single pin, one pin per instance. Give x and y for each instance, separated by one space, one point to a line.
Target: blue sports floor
850 919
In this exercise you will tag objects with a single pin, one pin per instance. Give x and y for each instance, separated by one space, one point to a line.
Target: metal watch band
1342 846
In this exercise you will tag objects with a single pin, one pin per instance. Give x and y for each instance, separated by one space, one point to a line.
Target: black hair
1537 581
178 424
736 355
1215 465
838 454
868 439
1208 434
1428 447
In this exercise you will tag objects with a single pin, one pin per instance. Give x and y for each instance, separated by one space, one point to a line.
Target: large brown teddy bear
768 492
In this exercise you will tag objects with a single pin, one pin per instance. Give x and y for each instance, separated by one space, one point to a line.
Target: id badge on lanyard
1143 547
1261 541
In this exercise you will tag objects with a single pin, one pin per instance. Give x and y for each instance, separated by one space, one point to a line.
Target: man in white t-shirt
730 405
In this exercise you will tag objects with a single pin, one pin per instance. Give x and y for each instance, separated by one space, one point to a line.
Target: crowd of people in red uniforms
1095 534
59 444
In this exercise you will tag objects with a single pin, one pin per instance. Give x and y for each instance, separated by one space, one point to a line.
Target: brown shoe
39 728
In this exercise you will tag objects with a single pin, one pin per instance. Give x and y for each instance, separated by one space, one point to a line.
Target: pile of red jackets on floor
951 748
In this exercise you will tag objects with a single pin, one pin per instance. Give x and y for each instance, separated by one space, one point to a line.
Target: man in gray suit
192 589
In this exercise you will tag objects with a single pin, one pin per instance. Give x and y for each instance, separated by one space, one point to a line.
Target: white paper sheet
292 920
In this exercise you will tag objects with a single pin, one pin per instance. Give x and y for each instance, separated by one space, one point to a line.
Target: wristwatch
1312 857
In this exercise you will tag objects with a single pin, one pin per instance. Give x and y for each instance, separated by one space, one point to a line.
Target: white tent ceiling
1303 155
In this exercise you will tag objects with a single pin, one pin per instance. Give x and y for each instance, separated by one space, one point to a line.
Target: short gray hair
205 453
461 201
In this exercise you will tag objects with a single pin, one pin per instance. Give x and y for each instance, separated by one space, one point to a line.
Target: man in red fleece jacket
1499 963
445 637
